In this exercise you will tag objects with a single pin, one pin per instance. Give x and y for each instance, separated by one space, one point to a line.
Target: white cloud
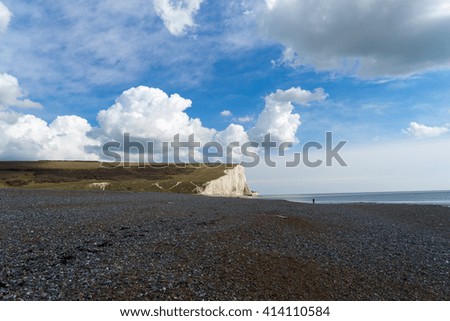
177 15
226 113
388 38
245 119
11 95
148 115
151 114
297 96
291 58
27 137
422 131
278 118
5 17
233 133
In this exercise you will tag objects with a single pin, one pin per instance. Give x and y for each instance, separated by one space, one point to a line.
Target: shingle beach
68 245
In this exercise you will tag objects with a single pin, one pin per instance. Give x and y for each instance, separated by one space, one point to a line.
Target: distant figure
314 201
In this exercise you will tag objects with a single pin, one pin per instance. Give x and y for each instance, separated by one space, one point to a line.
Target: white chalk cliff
232 184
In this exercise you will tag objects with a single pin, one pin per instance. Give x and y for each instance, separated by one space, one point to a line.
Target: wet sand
66 245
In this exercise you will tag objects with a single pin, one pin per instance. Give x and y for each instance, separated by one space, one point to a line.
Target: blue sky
383 67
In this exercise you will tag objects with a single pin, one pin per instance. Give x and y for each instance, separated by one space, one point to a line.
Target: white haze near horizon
419 165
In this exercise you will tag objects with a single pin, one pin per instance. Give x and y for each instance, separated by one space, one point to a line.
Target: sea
421 198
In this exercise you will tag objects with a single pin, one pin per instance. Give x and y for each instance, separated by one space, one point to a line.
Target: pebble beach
69 245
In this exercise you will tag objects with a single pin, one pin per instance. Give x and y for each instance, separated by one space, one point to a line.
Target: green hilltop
79 175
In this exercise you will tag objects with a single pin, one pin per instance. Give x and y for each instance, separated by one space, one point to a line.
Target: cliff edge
204 179
232 184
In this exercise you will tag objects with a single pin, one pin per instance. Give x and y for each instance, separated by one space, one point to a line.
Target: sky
77 74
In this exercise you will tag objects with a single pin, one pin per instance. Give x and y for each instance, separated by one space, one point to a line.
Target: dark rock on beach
67 245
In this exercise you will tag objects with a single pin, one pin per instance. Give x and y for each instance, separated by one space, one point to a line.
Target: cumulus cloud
148 115
28 137
177 15
278 118
151 114
226 113
423 131
388 38
5 17
233 133
11 95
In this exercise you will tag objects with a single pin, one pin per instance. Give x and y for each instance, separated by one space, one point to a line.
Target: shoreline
360 203
438 198
75 245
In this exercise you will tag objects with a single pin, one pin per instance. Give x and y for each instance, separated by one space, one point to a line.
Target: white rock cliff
232 184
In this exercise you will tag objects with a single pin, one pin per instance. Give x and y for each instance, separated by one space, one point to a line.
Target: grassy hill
68 175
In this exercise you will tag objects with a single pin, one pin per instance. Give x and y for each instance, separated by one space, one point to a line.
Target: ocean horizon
415 197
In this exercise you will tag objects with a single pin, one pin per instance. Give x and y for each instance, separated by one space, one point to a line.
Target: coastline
439 198
75 245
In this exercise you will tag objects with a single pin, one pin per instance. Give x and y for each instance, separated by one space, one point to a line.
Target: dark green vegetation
95 175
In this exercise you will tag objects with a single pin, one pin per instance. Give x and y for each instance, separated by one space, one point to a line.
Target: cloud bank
147 114
26 137
389 38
